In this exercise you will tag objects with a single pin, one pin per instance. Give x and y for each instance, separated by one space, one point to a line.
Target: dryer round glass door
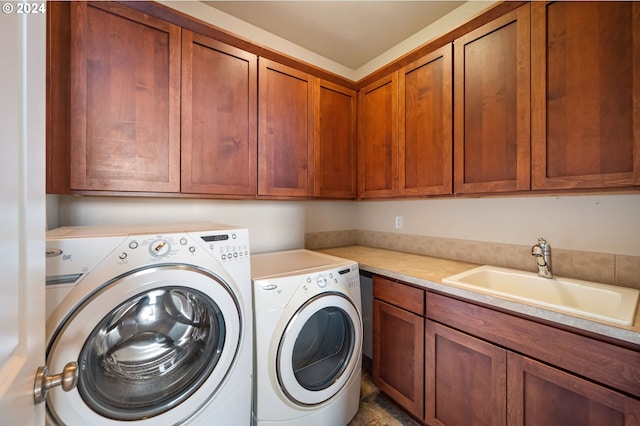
146 344
319 350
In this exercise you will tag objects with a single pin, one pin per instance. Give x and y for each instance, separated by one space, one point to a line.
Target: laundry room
384 167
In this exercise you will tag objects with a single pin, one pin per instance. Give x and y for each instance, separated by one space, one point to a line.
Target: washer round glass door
146 344
319 349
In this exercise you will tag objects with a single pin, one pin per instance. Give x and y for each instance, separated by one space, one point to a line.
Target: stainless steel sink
603 302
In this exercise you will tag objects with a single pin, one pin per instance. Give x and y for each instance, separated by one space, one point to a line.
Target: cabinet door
285 130
542 395
219 117
125 100
58 101
378 138
465 379
425 125
398 355
491 106
585 82
335 140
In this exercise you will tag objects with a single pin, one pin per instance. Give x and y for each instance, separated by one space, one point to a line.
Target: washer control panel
226 246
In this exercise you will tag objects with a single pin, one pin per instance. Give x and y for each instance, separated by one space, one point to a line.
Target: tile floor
376 409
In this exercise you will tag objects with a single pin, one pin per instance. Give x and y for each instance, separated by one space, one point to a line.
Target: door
398 355
219 113
539 394
378 138
22 120
125 100
585 109
155 344
491 106
425 129
466 380
335 140
319 349
285 130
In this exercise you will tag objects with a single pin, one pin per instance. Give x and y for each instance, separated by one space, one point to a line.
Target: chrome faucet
542 253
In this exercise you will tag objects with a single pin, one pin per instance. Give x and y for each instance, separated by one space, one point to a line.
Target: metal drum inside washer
158 320
308 338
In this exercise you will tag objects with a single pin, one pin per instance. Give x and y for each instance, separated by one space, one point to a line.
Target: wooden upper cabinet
58 97
335 140
585 85
285 130
492 106
425 125
378 138
125 100
219 117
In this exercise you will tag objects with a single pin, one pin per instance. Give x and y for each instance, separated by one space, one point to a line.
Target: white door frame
22 211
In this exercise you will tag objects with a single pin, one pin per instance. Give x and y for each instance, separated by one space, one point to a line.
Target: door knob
68 380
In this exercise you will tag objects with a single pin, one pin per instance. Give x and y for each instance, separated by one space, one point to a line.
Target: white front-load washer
308 339
158 320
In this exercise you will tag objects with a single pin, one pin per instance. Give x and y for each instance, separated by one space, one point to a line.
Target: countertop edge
611 331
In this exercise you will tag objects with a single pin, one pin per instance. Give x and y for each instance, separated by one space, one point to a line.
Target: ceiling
350 33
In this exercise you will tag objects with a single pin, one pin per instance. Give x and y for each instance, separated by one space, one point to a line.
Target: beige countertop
428 272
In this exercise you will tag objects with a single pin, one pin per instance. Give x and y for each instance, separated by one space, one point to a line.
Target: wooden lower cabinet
450 362
465 379
473 382
398 343
542 395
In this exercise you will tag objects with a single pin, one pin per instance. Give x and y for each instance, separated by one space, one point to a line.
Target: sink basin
603 302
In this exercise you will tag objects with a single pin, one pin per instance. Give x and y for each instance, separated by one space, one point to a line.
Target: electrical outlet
398 222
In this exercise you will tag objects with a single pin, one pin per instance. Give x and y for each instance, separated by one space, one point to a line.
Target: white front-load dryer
308 339
158 320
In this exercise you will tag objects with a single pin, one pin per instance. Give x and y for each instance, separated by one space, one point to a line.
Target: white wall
227 22
272 225
596 223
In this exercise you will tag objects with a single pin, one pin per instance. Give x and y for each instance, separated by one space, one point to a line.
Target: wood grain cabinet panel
378 138
398 346
492 106
425 124
542 395
125 100
585 82
285 130
466 379
219 118
335 140
58 97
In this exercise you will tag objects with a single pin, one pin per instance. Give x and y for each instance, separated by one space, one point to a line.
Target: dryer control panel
347 277
277 292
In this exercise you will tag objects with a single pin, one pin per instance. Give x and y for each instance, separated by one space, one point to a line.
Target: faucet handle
536 250
544 245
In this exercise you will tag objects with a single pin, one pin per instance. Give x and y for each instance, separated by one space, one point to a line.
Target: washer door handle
68 380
